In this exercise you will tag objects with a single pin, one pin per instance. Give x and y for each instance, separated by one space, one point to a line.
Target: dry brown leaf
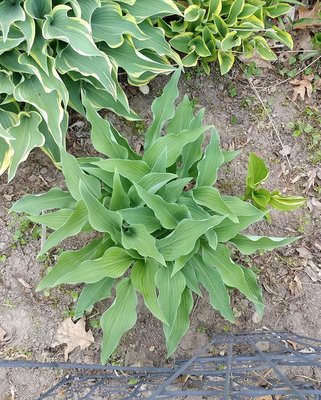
73 335
313 272
304 253
293 344
295 286
3 334
303 42
302 88
268 397
314 14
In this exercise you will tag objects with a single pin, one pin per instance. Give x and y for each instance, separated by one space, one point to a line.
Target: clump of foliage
164 229
261 197
213 30
53 53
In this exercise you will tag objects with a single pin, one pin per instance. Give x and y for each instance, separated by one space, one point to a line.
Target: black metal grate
249 366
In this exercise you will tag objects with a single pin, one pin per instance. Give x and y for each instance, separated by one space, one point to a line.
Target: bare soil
289 276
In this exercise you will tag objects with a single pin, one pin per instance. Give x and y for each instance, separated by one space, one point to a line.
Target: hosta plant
55 52
263 198
217 30
164 230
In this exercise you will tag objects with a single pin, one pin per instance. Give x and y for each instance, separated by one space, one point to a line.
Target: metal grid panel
287 366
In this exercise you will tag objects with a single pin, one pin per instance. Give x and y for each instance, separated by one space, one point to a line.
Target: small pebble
144 89
152 348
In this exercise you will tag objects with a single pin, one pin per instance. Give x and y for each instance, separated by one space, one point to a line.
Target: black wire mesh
264 366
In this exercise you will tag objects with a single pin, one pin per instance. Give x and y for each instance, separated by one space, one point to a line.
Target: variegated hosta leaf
74 31
216 30
26 137
10 12
109 25
48 104
63 51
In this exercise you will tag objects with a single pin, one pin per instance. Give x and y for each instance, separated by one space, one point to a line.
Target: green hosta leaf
72 30
119 318
182 118
143 280
38 8
137 238
145 9
248 244
98 67
33 204
170 291
163 109
102 135
257 171
74 224
182 260
100 98
113 264
136 215
134 170
174 189
93 293
183 238
280 36
226 61
196 211
286 203
74 175
67 262
246 213
275 10
27 137
10 12
160 163
154 181
212 160
232 274
174 144
88 7
210 197
109 25
190 277
263 48
169 214
212 280
119 198
261 198
181 323
192 152
30 90
100 218
53 220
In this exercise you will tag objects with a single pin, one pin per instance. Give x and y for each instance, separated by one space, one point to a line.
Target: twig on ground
270 119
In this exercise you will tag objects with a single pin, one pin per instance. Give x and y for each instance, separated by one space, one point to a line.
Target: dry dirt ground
291 276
